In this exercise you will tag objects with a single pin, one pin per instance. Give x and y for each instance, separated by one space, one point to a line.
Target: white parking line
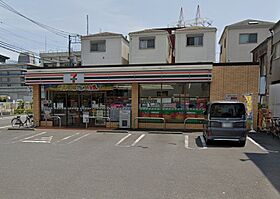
29 137
66 138
22 136
261 147
79 138
3 127
138 139
124 138
187 142
203 142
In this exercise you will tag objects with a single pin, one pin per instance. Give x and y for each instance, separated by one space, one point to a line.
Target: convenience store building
100 96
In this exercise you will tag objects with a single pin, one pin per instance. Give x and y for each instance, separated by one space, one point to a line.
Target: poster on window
249 107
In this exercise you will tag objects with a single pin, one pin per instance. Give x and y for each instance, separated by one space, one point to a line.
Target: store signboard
73 78
80 87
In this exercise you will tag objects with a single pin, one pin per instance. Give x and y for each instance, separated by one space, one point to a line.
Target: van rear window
228 110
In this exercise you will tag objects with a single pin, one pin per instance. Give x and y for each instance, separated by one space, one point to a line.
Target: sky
119 16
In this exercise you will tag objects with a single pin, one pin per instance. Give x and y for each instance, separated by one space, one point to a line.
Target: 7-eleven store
122 95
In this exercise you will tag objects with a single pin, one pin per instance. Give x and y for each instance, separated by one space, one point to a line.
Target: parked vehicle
225 120
17 122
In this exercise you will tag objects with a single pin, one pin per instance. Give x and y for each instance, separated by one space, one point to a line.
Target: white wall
112 55
242 52
159 54
205 53
274 100
125 50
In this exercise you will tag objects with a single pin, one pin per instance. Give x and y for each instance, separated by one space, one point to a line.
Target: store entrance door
81 104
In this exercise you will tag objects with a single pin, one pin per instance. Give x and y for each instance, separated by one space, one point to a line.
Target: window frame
249 41
147 39
97 42
195 43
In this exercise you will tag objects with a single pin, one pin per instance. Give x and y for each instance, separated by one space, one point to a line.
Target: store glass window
173 101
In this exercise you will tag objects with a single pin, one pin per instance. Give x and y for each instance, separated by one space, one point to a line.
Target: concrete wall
242 52
205 53
237 80
113 54
159 54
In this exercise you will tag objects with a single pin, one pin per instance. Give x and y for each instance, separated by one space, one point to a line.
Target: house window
194 40
98 46
146 42
248 38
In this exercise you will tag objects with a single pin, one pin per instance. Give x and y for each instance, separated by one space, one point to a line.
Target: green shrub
19 111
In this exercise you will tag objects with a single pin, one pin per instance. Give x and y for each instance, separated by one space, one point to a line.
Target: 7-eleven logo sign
73 78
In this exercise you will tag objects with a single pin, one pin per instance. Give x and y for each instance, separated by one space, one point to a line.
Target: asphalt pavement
70 164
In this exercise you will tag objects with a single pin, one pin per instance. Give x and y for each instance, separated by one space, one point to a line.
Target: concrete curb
22 129
111 131
164 132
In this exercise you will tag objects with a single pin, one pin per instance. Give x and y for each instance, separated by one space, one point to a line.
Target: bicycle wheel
16 122
29 122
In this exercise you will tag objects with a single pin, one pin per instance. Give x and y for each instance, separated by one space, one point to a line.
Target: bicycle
275 127
17 122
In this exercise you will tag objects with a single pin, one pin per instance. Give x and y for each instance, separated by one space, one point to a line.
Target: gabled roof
195 28
275 25
248 23
149 31
251 22
105 34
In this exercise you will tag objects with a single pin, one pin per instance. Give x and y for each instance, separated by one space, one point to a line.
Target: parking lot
51 163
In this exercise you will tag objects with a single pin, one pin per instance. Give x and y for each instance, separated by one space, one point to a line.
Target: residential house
239 39
262 55
150 46
104 48
195 44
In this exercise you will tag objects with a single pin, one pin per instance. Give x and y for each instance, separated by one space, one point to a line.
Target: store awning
121 74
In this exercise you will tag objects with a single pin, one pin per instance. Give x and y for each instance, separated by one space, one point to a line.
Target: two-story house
104 49
239 39
149 46
173 45
195 44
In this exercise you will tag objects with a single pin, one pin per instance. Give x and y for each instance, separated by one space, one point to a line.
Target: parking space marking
123 139
203 142
42 133
187 142
45 140
4 127
261 147
66 138
138 139
22 136
79 138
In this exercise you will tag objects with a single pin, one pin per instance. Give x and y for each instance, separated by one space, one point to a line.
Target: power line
46 27
16 49
39 43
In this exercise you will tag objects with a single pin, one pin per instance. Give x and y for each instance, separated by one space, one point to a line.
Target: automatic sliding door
73 109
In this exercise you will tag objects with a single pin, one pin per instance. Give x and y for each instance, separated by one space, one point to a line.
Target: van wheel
242 143
208 142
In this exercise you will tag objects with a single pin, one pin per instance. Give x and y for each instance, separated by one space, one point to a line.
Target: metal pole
69 49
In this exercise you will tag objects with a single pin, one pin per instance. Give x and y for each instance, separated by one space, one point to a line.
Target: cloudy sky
120 16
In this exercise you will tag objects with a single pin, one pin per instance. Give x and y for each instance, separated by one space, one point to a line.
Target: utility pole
87 26
69 50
